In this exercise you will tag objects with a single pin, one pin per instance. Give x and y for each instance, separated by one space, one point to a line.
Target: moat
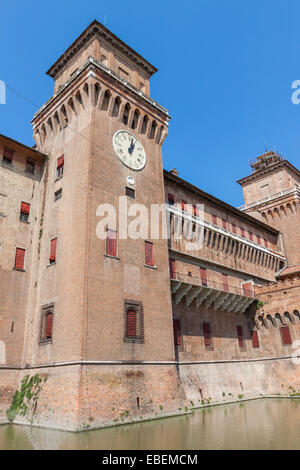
260 424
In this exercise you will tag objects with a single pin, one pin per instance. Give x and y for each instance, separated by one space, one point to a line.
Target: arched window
288 317
271 320
153 130
105 102
126 114
144 125
116 108
135 119
296 315
134 322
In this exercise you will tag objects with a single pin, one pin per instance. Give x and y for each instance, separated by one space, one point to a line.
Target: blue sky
225 74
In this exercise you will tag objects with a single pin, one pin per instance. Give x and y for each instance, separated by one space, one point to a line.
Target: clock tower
110 298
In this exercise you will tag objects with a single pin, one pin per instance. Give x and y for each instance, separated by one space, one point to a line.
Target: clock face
129 150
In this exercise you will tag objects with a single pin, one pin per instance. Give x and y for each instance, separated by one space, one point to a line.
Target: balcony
210 294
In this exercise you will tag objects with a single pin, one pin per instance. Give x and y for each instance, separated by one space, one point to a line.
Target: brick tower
272 194
100 309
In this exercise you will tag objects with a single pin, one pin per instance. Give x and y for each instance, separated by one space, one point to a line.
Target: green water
260 424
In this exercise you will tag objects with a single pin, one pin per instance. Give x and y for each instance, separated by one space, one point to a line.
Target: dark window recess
251 236
171 199
243 232
60 166
58 194
7 155
254 339
130 192
24 212
177 333
183 205
20 258
214 219
240 337
53 245
207 336
134 322
258 239
111 242
149 256
224 223
46 327
30 166
233 228
285 335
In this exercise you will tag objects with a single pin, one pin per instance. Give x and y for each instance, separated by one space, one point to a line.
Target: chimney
174 172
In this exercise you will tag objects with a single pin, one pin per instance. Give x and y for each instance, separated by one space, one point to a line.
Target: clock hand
130 150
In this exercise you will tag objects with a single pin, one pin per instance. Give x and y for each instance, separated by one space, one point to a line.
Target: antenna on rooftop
105 18
265 144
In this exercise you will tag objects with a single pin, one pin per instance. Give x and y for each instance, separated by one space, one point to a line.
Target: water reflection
260 424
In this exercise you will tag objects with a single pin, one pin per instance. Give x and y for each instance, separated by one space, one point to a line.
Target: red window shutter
240 336
177 333
225 282
111 242
233 228
149 258
285 335
25 208
254 339
171 199
49 325
20 258
60 161
251 236
53 245
247 289
131 323
8 154
172 268
243 232
224 223
214 219
203 273
207 335
266 243
258 239
195 212
183 204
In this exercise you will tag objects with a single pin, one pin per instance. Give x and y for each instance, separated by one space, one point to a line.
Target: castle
120 329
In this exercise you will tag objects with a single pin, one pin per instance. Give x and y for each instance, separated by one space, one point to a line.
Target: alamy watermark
157 222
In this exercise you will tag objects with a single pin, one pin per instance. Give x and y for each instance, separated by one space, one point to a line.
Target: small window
258 239
207 336
254 339
20 259
111 243
243 232
53 245
214 219
58 194
24 212
30 166
203 273
171 199
233 228
177 334
251 236
224 224
126 114
240 337
285 336
60 167
134 322
149 256
183 205
46 327
7 156
130 192
266 243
